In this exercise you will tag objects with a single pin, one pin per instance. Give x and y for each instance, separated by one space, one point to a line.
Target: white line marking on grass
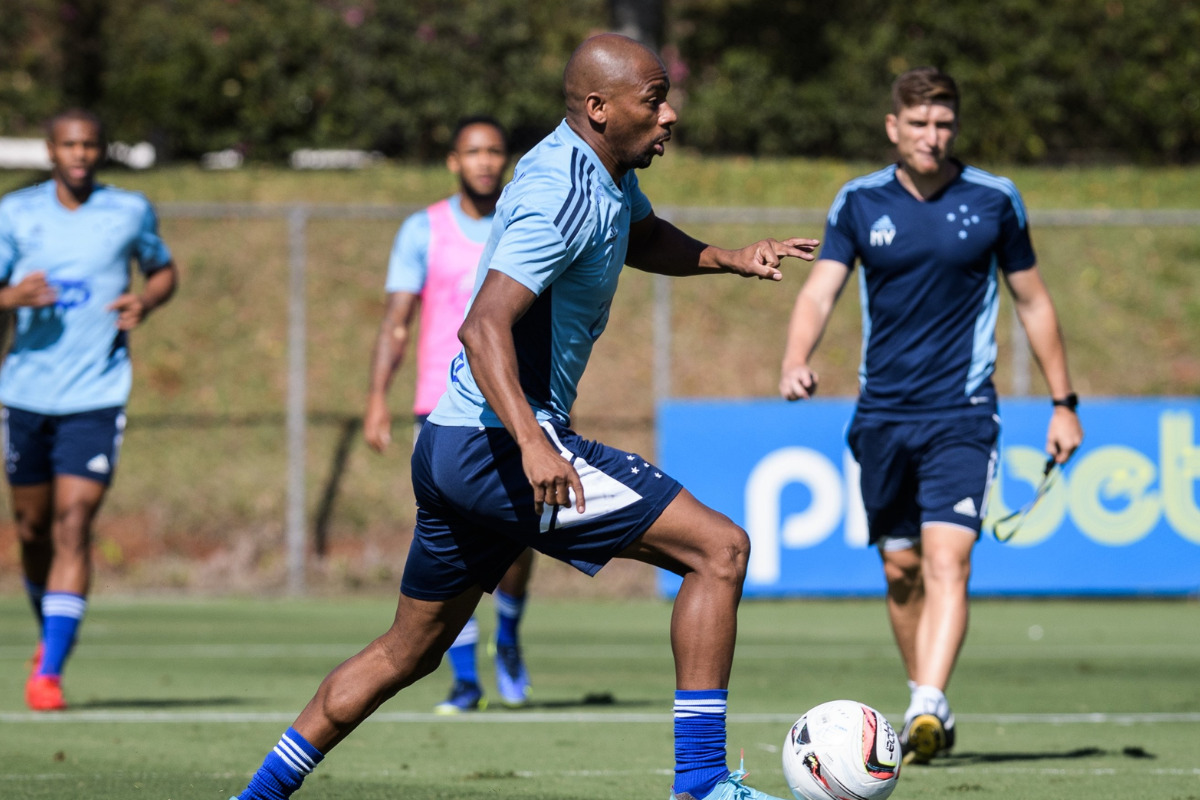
192 652
379 773
832 651
978 770
562 717
1095 718
594 773
74 776
615 773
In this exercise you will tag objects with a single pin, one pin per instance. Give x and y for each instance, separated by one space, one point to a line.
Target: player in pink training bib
432 267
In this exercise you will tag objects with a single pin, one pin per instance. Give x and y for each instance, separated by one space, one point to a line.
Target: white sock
928 700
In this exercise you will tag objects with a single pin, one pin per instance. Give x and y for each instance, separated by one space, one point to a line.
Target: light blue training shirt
561 231
70 357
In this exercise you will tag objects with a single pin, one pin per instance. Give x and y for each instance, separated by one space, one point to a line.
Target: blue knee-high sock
283 769
36 592
462 653
699 741
508 616
62 613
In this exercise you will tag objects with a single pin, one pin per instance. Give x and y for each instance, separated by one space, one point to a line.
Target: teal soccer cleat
731 788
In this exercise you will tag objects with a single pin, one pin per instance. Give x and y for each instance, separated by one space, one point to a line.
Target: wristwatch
1071 401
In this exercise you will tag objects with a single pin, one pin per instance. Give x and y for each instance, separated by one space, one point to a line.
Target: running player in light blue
934 237
497 468
65 252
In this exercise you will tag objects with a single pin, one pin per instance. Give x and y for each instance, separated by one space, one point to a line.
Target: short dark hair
477 119
924 86
74 115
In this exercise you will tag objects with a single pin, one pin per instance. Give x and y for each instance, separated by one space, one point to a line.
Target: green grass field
181 699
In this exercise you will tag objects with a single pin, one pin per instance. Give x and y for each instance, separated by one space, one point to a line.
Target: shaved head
603 64
616 90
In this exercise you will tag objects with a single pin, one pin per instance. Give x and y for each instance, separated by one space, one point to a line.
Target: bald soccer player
497 468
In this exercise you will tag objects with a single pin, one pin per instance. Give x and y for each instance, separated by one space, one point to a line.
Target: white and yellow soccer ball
841 750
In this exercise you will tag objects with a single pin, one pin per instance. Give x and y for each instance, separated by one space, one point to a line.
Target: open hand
761 259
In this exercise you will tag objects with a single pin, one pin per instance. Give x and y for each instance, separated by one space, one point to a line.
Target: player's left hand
761 260
131 310
1064 435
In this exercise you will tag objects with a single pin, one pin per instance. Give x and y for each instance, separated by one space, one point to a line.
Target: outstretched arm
656 245
487 339
810 315
391 342
132 309
1036 311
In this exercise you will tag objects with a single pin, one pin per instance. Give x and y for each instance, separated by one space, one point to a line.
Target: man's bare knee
726 555
946 566
904 581
33 524
74 517
947 571
30 534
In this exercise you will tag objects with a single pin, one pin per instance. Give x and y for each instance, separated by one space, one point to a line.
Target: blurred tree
30 65
268 76
83 51
1042 80
638 19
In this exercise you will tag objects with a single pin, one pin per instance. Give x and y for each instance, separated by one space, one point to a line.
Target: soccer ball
841 750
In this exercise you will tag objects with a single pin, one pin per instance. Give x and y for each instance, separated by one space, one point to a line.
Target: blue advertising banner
1123 518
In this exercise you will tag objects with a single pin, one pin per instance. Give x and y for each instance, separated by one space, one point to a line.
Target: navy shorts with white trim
475 511
37 447
924 471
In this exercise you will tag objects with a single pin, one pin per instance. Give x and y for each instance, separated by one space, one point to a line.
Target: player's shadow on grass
161 703
968 759
597 700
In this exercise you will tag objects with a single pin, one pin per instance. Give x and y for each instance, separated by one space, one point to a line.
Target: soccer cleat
464 696
948 726
512 680
924 736
731 788
44 693
35 661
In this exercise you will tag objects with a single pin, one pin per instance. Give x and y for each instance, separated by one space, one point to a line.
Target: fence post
1019 345
662 338
297 401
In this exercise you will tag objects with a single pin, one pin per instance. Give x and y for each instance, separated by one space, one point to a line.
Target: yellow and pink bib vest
449 281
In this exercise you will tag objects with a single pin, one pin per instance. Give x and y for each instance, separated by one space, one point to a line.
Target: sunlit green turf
181 699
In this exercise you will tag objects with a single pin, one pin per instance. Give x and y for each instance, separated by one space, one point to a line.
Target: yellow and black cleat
924 738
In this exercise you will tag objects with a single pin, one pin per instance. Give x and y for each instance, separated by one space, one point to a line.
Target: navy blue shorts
919 472
38 447
475 511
